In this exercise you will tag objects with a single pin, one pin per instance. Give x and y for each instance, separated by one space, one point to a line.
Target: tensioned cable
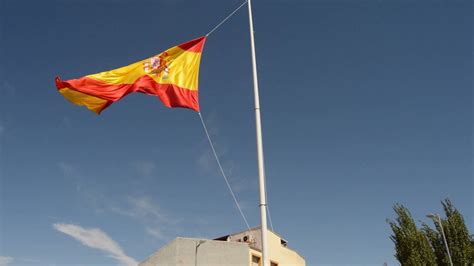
224 20
212 146
222 172
268 210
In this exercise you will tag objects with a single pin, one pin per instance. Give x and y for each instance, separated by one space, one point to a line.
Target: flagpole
261 166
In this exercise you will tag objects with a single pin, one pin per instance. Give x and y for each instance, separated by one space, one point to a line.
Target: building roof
256 228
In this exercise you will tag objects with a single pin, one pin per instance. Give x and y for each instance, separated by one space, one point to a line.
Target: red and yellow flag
171 75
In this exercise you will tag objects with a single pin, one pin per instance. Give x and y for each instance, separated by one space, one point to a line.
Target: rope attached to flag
224 20
223 173
210 141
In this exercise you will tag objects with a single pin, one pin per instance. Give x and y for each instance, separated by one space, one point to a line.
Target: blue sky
364 104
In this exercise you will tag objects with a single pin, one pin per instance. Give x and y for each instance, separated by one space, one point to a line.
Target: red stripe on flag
169 94
195 45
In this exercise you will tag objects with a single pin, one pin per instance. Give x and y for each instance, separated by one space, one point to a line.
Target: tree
411 245
471 251
457 236
426 246
437 243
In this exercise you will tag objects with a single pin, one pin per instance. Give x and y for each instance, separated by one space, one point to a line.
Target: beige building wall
199 252
278 254
240 249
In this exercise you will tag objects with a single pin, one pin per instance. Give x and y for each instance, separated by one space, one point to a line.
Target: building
239 249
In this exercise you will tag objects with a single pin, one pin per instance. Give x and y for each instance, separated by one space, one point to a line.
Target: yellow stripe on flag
78 98
182 70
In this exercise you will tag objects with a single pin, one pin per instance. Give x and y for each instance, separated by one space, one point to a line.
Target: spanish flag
171 75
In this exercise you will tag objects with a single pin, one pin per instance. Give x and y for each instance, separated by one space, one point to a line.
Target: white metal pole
444 238
261 166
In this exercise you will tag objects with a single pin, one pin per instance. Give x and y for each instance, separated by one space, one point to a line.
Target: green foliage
426 246
437 243
411 245
457 235
471 250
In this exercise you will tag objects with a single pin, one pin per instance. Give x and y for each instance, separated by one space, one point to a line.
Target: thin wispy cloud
239 183
155 221
7 89
148 213
96 239
143 209
67 169
4 261
91 194
156 232
71 172
2 131
66 122
207 162
211 123
164 2
144 168
244 184
31 261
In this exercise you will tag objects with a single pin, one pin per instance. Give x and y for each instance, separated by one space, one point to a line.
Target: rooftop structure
238 249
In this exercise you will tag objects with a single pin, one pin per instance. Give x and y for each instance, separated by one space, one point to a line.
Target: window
255 260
